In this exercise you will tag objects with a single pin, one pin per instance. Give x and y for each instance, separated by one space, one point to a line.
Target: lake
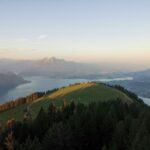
44 84
146 100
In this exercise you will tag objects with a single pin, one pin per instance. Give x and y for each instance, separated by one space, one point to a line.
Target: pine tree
58 138
41 124
30 144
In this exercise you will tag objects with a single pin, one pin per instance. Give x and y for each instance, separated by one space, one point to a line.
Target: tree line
23 100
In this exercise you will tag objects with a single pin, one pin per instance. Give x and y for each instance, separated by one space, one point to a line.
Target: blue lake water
146 100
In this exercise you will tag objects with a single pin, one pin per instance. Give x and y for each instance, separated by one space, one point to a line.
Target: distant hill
79 93
140 83
143 75
9 80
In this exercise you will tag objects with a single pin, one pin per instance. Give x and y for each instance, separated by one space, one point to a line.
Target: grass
83 93
13 113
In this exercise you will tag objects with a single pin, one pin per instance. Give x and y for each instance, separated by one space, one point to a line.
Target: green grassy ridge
88 92
79 93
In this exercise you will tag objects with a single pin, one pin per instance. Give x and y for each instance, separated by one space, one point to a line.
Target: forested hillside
81 116
98 126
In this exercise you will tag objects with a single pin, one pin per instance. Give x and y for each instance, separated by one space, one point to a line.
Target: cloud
42 37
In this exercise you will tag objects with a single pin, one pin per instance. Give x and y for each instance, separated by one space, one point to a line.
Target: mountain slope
10 80
81 92
139 85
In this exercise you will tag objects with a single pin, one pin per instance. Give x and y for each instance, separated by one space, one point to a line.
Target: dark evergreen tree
41 125
58 138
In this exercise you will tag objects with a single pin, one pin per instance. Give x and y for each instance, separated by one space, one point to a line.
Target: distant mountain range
57 68
60 68
53 67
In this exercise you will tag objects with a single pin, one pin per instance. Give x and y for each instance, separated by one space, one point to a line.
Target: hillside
10 80
140 83
88 92
82 93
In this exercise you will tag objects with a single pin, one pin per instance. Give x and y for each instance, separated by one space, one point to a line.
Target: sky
81 30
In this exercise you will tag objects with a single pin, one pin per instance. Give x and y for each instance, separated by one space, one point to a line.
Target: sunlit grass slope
83 93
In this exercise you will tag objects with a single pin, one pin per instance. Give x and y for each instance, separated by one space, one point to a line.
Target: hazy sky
83 30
